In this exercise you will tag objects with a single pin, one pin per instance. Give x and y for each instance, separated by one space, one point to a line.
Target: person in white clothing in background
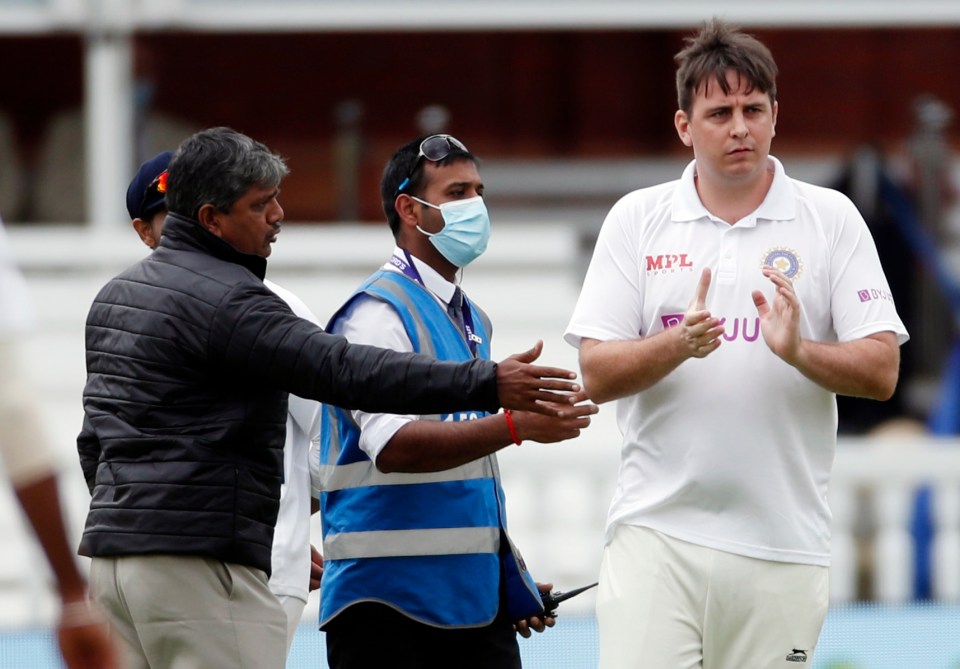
83 634
296 565
725 311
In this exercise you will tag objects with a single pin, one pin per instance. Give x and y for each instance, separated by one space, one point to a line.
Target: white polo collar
778 205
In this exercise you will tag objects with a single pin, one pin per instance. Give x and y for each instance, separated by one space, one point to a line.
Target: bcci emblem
785 260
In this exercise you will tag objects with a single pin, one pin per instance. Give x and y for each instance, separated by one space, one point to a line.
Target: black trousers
370 635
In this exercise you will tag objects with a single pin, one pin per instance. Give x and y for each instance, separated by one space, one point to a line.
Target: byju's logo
797 655
671 320
747 329
668 263
868 294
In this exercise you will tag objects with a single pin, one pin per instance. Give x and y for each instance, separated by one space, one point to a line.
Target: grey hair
218 166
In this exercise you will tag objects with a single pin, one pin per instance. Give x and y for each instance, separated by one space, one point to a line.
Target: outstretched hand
526 387
700 332
547 429
779 321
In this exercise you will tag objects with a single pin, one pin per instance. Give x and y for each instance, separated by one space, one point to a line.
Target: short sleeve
16 313
375 323
609 306
861 301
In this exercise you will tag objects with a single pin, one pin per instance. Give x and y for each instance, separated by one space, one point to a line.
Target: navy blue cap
145 194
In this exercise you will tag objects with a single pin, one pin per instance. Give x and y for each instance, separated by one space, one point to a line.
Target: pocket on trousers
221 574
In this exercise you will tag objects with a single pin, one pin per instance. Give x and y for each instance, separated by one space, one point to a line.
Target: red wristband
511 427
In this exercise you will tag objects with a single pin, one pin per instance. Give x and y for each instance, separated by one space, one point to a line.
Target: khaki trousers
182 612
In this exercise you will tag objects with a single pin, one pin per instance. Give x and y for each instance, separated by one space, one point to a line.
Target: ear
145 231
776 106
209 218
682 123
407 209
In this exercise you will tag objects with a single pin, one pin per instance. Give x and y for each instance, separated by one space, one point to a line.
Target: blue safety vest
431 545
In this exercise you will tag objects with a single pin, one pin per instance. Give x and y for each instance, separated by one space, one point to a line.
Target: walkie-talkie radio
551 600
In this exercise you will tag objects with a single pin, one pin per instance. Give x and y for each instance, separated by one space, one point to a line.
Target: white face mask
466 230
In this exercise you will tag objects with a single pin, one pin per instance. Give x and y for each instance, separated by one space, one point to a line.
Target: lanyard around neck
408 269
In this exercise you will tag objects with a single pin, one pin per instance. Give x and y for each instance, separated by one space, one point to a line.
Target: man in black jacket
190 359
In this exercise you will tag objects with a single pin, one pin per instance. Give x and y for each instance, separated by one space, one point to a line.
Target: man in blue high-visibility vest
419 571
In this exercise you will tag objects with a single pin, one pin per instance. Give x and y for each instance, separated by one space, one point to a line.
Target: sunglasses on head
157 186
434 148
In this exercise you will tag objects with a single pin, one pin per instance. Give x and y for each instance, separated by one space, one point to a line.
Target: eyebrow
462 184
755 103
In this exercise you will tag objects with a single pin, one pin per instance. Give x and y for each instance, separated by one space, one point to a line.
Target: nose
275 215
739 128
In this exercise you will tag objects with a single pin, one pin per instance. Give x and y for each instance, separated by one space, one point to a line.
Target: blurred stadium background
569 104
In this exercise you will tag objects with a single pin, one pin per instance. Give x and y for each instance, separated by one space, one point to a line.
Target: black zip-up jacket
189 362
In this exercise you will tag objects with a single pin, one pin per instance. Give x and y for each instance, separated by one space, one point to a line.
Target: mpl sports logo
669 263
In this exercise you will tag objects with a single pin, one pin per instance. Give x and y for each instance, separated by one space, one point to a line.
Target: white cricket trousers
663 603
293 608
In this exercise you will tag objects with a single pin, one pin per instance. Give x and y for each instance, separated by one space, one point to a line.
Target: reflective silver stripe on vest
423 332
397 543
362 474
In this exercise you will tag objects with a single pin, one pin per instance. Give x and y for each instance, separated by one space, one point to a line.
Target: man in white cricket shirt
725 311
